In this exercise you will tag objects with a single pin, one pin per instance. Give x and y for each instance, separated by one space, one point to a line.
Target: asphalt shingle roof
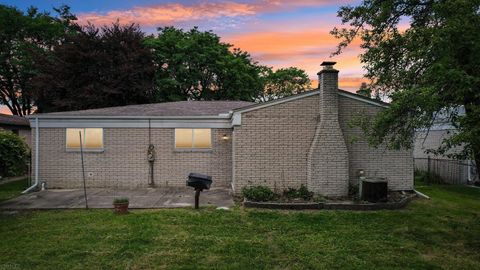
13 120
179 108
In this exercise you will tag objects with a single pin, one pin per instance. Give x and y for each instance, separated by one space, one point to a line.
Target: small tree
14 154
284 82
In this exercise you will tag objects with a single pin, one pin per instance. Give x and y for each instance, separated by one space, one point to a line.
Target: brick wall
124 164
272 145
396 166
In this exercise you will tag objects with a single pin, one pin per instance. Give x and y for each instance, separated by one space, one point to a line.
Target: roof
168 109
13 120
190 109
341 92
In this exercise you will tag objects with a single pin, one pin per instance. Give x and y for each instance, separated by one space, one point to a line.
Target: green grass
441 233
12 189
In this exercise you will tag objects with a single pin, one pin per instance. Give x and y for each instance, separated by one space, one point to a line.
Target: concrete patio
103 198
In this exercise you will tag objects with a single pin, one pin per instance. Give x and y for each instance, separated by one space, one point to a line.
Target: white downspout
36 158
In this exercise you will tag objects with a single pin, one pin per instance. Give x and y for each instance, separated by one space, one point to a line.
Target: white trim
132 123
59 116
278 101
354 96
304 95
37 139
236 119
232 183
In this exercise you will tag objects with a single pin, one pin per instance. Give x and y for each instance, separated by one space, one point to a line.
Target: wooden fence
449 171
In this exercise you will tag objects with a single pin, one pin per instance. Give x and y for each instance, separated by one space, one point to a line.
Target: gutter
36 159
194 117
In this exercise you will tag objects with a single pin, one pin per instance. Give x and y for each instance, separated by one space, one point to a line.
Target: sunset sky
277 33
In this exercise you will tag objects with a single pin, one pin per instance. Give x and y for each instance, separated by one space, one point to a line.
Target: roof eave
86 117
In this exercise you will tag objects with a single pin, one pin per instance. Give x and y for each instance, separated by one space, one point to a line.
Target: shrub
258 193
14 154
291 193
302 192
121 200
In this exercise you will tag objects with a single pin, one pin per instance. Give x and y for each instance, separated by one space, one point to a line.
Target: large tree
21 35
196 65
425 56
97 67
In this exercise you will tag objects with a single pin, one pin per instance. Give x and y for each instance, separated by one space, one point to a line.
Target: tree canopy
96 67
198 66
284 82
424 55
20 36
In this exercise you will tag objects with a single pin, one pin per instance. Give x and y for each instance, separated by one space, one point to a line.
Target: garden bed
396 200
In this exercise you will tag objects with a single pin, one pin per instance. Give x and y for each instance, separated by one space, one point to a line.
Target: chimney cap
328 63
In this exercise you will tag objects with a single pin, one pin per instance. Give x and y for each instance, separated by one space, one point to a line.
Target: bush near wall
258 193
14 154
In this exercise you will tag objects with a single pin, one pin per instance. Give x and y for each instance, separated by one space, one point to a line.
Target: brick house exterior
302 139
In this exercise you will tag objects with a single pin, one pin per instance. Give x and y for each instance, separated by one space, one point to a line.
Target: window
193 138
92 138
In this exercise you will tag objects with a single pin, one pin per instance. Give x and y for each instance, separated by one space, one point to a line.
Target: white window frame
193 141
68 149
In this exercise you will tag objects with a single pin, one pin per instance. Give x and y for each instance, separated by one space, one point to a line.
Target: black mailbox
199 182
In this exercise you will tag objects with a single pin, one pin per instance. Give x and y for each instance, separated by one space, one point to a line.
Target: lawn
441 233
12 189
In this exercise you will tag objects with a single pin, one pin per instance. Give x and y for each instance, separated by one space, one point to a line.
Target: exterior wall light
225 137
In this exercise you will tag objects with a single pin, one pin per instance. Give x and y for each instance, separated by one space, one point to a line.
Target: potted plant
121 205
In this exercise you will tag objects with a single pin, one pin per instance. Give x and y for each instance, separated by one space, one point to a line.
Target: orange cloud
303 48
289 45
168 13
171 13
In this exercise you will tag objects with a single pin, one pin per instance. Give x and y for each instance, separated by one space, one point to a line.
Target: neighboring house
452 171
16 124
302 139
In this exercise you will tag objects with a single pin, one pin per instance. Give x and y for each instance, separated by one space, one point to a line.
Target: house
16 124
451 171
302 139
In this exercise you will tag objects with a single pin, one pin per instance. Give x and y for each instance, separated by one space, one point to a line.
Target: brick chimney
328 156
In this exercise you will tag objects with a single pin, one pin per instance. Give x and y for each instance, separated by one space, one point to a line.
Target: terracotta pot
121 208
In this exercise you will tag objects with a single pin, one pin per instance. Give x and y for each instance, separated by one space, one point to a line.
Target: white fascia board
278 101
354 96
132 123
304 95
47 116
236 119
